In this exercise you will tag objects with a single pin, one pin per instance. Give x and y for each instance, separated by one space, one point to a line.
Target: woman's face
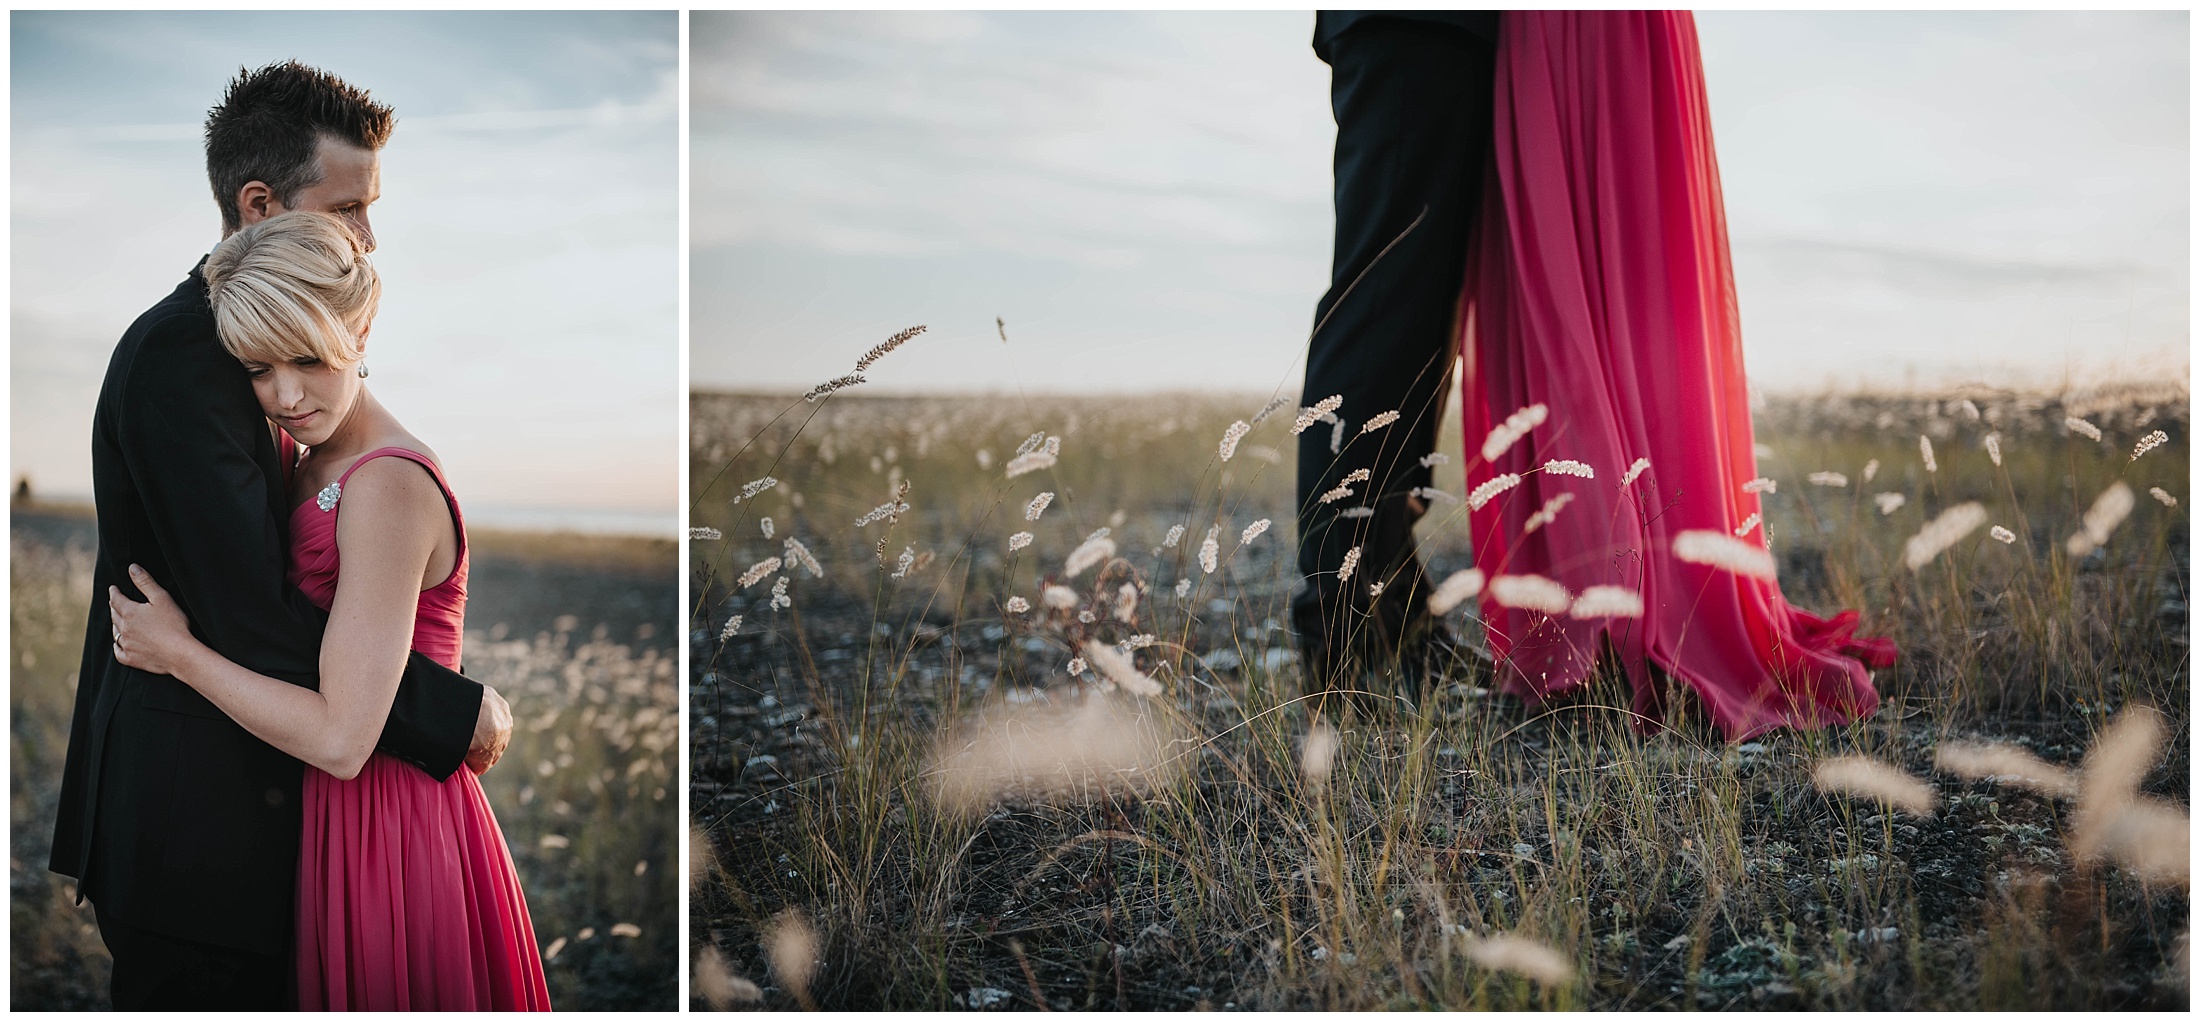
309 398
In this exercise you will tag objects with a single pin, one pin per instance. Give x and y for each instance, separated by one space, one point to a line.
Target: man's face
351 180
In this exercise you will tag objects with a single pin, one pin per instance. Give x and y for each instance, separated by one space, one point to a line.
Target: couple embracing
281 580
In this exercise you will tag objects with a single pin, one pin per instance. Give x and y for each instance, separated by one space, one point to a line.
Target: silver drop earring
362 370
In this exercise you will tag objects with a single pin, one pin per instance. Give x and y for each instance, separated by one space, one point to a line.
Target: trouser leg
157 972
1412 104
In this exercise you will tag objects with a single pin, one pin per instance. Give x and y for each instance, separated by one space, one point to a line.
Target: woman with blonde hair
407 895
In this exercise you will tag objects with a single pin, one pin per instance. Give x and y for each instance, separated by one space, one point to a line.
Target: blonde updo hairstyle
293 286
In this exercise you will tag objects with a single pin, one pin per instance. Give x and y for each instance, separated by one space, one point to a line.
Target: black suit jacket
1328 25
173 818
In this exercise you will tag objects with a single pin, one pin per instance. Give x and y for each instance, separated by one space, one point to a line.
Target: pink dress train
1599 285
407 896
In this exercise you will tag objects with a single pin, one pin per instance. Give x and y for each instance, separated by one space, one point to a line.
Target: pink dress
407 897
1599 285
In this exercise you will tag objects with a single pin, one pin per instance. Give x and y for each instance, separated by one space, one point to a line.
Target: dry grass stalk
1569 467
1351 564
881 349
792 947
1025 464
1379 422
1210 550
1051 752
1606 601
2108 511
758 572
1870 778
1640 466
1509 432
1520 956
2008 764
1547 514
1484 493
1038 506
2083 428
1116 666
1092 551
1530 592
1318 754
2163 496
1460 587
720 988
1943 532
2108 781
1727 553
1925 450
1316 412
1231 436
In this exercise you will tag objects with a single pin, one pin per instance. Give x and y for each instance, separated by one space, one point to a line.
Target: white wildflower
1607 601
1017 605
1351 562
2163 496
1231 436
1749 523
1925 450
1269 409
1640 466
1019 541
1024 464
733 628
2004 535
1455 590
1374 590
836 383
754 487
1076 665
1118 668
1340 493
2083 428
796 553
1038 506
1126 604
2108 511
1311 415
1031 443
705 532
1379 422
759 571
1435 459
1719 550
1530 592
1548 513
1944 531
780 599
1512 429
1139 641
1183 588
1092 551
1761 484
1484 493
1431 494
1828 479
766 525
890 509
1253 532
1357 512
1209 550
1176 532
1058 597
883 347
1569 467
2148 443
1889 503
1993 448
902 565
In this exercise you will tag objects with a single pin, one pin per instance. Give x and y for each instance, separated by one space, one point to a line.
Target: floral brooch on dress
328 495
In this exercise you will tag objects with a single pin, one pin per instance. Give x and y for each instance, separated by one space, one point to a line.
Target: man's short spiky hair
268 124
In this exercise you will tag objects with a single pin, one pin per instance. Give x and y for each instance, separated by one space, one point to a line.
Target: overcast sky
1144 198
528 233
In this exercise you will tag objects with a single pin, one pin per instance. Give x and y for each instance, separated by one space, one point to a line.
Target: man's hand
492 732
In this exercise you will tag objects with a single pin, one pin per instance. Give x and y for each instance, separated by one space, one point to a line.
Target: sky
528 233
1143 200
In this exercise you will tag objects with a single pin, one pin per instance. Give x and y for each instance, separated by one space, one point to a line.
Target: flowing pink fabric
1599 286
407 896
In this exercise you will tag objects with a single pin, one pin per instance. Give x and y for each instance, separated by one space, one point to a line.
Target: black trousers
157 972
1412 102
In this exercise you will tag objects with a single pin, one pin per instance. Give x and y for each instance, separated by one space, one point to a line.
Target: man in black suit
1411 92
182 828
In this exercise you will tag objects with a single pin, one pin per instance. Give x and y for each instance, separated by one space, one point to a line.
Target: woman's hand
152 636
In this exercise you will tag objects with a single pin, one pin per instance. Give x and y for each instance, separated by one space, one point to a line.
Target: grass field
910 804
576 632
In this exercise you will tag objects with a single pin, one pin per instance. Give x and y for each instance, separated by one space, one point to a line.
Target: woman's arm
394 517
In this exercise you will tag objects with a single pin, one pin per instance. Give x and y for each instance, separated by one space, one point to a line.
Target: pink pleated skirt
408 899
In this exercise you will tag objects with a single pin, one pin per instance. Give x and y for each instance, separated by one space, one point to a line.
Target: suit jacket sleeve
198 450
